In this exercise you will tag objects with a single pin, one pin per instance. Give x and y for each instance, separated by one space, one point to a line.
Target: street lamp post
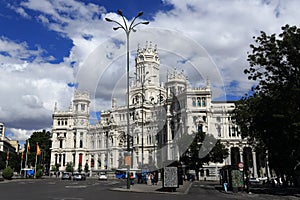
127 30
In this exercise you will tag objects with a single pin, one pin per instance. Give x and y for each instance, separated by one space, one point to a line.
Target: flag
28 146
38 150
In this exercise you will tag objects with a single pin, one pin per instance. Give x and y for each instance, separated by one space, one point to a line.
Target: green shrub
69 167
39 173
7 173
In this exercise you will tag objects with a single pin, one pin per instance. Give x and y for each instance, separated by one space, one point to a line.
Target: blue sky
46 47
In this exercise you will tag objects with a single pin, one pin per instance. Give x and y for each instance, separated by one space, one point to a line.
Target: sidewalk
144 188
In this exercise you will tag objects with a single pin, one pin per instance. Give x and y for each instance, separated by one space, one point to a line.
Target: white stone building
159 115
6 144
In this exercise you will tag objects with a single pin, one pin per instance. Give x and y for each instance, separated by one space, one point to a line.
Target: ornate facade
159 115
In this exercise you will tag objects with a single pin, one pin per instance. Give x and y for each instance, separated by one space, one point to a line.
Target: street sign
127 160
241 165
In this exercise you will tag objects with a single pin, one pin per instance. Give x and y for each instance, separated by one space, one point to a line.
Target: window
55 159
219 130
203 102
198 102
64 159
200 128
60 144
80 144
233 131
74 143
202 172
207 172
82 107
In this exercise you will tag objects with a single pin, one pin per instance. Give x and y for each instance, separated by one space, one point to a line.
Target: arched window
198 102
92 162
82 107
203 102
202 172
194 102
219 130
80 144
207 172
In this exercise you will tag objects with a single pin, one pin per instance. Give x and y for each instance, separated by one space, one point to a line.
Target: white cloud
223 30
29 89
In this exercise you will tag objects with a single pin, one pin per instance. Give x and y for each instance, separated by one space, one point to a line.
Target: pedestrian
153 180
150 177
131 179
225 186
247 184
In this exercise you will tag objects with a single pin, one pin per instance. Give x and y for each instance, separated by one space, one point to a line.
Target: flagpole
35 165
21 162
36 154
26 154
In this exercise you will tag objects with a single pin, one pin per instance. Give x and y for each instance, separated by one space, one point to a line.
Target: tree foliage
69 167
14 160
203 149
43 140
270 116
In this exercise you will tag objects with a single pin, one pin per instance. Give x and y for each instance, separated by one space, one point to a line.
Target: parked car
254 180
102 176
66 176
263 178
79 177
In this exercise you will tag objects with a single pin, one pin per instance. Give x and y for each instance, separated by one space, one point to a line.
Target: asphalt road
92 189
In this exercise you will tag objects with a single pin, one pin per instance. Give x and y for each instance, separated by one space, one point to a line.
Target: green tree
80 167
14 160
86 168
269 116
43 140
204 148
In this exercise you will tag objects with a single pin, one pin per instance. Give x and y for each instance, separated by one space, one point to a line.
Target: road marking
76 186
68 198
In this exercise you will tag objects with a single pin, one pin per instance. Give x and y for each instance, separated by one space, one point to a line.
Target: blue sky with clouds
46 47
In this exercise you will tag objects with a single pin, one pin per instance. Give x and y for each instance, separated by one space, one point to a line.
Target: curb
186 191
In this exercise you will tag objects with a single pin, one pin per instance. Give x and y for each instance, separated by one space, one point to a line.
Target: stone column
241 154
254 163
229 156
96 161
267 165
102 161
